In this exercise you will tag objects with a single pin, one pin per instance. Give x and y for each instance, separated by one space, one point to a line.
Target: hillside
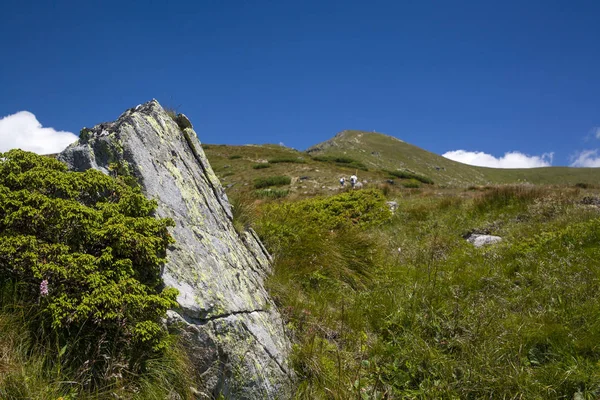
238 168
377 150
371 156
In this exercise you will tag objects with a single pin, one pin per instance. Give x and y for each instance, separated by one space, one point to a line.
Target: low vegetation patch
261 166
411 184
293 160
342 161
271 193
410 175
80 258
280 180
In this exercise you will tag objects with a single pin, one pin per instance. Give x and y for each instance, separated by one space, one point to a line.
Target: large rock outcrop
233 330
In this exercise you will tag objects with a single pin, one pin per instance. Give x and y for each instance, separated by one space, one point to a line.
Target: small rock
483 240
392 205
590 201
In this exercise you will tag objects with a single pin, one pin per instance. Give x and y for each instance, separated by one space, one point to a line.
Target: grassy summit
379 151
374 157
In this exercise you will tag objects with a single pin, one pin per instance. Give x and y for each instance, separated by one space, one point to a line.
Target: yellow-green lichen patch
188 193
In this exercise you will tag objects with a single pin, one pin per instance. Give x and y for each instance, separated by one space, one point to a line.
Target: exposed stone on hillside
233 330
483 240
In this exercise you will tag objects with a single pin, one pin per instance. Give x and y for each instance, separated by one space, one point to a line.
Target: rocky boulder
483 240
232 328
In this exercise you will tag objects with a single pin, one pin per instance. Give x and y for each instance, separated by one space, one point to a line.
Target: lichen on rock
233 329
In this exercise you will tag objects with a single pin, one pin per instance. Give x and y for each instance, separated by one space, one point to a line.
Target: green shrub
411 184
342 161
260 183
287 159
358 207
261 166
83 252
410 175
235 157
271 193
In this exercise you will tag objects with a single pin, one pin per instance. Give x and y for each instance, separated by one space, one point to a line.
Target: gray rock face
482 240
233 330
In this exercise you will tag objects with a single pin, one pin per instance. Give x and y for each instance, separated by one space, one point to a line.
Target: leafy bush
83 252
288 159
411 184
342 161
261 166
260 183
410 175
361 207
235 157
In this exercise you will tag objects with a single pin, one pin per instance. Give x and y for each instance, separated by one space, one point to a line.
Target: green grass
410 175
261 166
271 193
379 151
406 308
260 183
292 160
31 370
342 161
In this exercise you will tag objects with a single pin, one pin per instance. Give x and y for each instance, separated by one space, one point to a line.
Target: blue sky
485 78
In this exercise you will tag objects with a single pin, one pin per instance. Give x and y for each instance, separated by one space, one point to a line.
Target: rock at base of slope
234 332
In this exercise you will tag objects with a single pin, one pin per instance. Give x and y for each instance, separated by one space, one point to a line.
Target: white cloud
596 132
586 158
22 130
513 159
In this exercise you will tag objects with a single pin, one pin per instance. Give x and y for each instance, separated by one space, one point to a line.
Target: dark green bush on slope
260 183
81 252
342 162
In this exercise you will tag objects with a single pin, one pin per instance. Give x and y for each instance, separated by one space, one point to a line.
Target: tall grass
408 309
31 367
271 193
260 183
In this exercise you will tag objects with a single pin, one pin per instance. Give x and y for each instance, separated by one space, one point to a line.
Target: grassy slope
381 151
409 310
233 165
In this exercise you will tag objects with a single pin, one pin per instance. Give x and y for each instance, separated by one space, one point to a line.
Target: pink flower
44 288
